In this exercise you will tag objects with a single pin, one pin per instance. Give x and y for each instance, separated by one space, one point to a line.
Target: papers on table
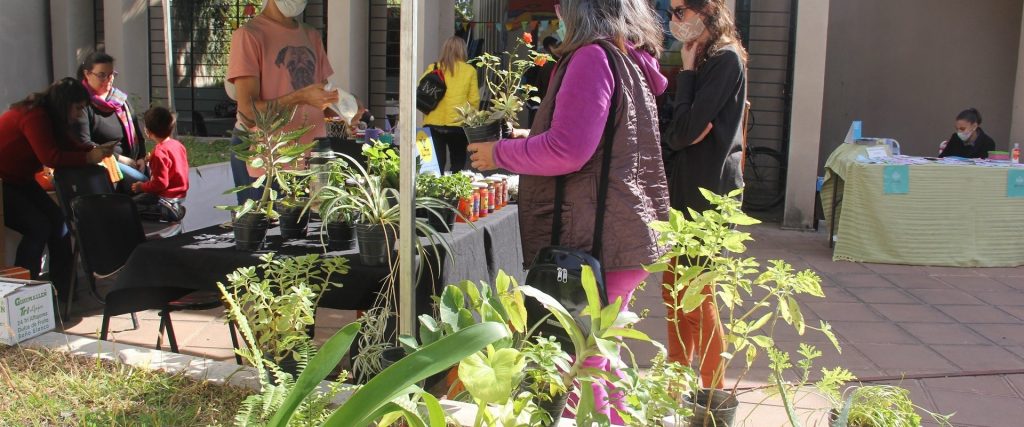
952 161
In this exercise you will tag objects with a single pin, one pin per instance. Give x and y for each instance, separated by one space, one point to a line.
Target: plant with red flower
504 77
528 38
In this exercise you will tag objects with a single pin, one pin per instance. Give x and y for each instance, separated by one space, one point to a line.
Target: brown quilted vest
637 191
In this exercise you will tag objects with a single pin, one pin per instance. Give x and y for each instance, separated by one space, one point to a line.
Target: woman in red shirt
35 132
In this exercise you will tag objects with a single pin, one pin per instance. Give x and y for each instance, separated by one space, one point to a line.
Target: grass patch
43 387
203 152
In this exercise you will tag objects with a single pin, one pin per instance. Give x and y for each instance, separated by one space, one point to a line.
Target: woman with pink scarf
108 118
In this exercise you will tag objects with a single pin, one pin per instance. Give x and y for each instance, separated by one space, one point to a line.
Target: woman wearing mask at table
609 47
34 132
969 141
461 83
704 149
109 118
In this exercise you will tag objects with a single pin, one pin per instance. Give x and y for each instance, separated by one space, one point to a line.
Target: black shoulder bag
558 270
430 91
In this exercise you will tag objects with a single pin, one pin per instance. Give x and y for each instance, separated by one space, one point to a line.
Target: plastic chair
109 230
69 183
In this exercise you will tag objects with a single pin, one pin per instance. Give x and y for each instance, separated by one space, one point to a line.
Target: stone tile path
953 336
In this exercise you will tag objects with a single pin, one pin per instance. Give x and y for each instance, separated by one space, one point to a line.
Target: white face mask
688 30
291 8
964 136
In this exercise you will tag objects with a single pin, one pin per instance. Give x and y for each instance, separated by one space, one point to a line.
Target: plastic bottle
1015 154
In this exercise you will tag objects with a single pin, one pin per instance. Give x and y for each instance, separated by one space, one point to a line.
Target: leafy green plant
269 147
383 161
545 364
276 301
753 299
653 396
449 188
377 399
506 91
294 184
856 406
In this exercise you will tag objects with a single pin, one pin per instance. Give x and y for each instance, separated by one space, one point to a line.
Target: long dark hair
720 26
91 60
970 115
57 100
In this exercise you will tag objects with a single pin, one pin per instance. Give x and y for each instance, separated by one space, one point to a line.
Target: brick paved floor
954 334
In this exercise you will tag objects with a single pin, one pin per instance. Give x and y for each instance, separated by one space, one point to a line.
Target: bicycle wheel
764 178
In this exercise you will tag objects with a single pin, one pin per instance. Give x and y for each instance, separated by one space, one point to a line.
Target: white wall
25 47
72 34
348 45
1017 117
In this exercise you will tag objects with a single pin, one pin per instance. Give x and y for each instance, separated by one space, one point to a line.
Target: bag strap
439 72
607 140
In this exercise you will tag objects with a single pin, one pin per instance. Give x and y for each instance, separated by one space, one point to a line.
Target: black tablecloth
201 258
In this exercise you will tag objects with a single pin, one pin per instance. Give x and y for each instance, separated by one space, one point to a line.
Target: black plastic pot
554 407
340 236
488 132
376 243
250 231
288 365
293 221
721 412
441 225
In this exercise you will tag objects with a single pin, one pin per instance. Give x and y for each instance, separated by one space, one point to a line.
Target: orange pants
700 330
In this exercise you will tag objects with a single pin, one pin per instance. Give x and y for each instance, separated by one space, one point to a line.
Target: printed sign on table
896 179
425 151
1015 183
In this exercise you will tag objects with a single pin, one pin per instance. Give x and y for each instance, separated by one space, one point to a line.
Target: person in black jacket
969 141
703 148
109 118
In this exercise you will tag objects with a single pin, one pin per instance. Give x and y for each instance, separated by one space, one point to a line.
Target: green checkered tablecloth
953 215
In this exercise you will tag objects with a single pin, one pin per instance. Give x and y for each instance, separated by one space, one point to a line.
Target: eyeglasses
679 12
104 76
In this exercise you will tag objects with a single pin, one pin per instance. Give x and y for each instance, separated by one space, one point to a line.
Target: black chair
72 182
109 230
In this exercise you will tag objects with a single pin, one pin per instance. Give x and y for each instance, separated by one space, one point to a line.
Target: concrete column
126 32
71 34
348 45
1017 114
805 125
732 5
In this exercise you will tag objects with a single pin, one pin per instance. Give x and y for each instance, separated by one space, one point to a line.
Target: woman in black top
703 149
108 117
969 141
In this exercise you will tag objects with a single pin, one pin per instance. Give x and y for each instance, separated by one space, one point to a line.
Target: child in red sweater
162 195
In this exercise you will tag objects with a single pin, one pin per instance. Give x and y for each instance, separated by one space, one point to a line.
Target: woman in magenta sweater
567 133
35 132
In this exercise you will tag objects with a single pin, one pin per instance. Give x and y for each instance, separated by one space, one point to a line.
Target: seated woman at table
108 117
34 132
969 141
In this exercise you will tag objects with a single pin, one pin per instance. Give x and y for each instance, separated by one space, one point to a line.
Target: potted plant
293 215
276 301
860 405
449 189
652 396
383 161
267 147
336 217
752 300
546 364
506 92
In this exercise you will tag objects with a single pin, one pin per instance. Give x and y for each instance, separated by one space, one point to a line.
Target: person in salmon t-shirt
274 57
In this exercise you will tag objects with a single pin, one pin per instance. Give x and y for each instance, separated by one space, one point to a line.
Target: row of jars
489 194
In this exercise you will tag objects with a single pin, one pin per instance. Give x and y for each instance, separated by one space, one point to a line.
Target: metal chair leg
234 340
170 332
159 332
135 322
105 327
